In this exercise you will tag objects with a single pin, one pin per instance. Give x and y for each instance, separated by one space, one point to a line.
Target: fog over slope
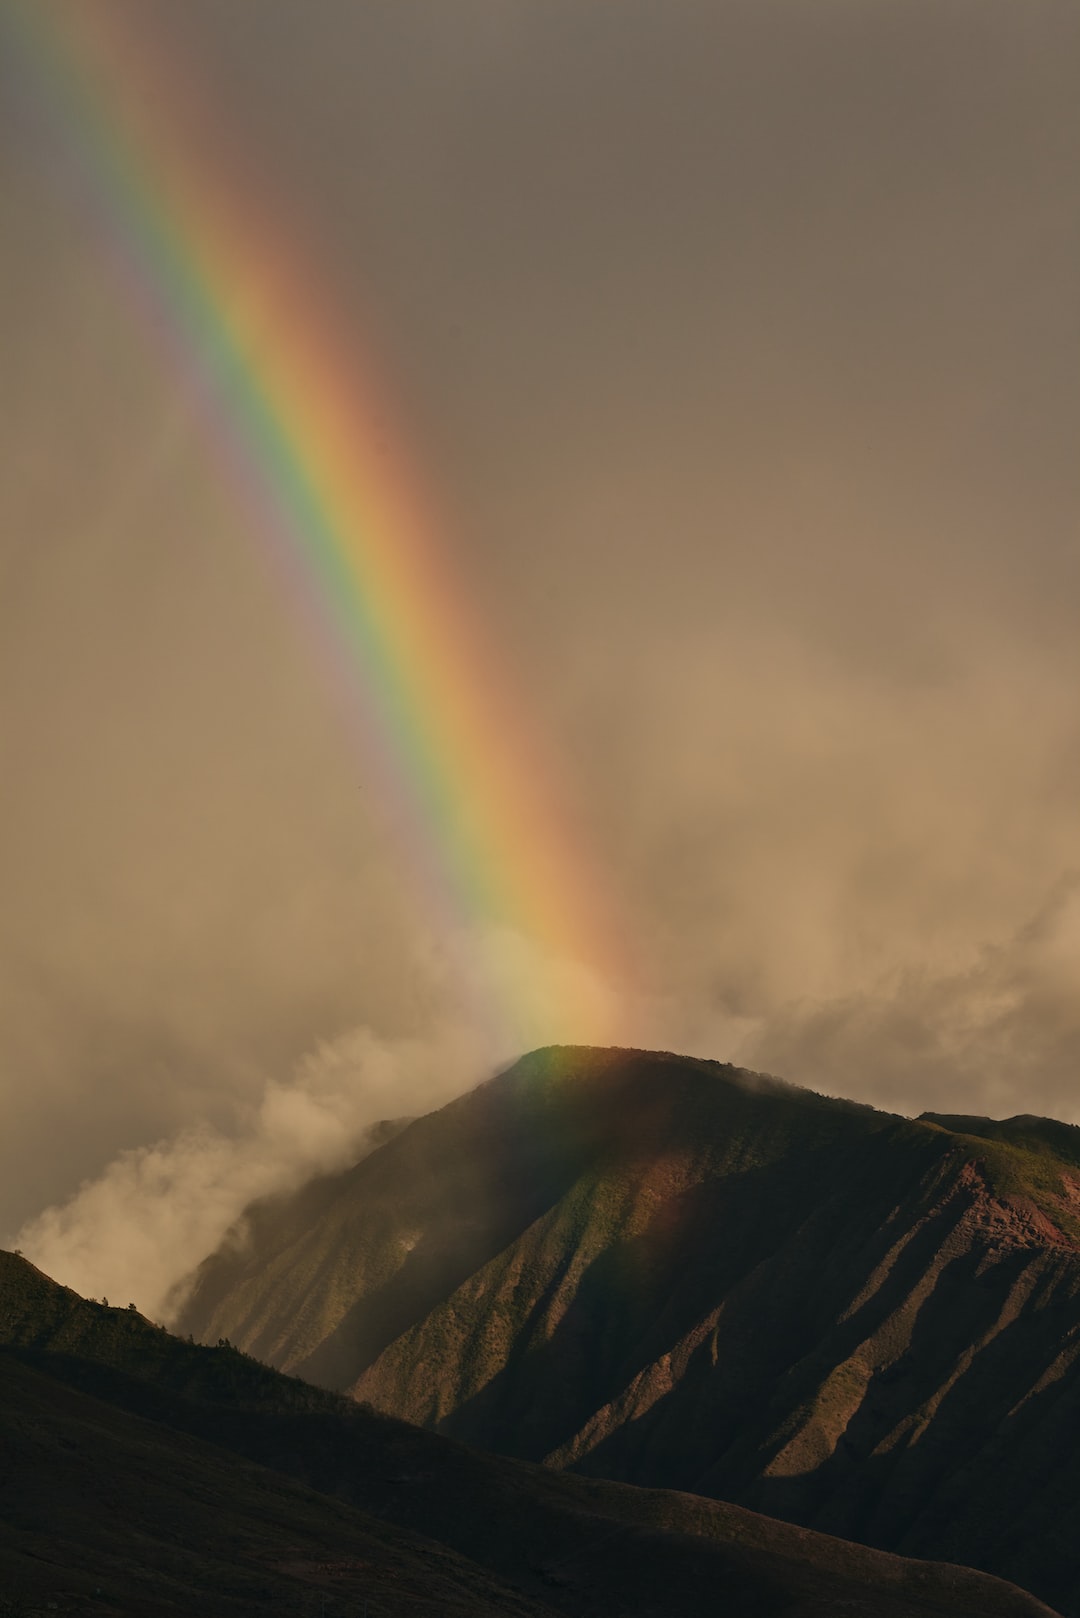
737 346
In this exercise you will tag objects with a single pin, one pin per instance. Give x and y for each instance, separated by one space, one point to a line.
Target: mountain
676 1274
143 1475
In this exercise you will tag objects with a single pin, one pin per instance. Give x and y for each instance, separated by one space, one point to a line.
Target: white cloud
134 1232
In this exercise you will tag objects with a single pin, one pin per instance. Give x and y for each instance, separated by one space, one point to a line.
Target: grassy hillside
673 1273
144 1475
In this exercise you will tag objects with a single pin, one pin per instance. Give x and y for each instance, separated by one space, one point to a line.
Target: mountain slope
672 1273
102 1512
114 1500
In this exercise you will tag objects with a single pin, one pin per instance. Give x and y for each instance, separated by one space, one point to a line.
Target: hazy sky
739 346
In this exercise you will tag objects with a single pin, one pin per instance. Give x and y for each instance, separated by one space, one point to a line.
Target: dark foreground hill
673 1273
144 1476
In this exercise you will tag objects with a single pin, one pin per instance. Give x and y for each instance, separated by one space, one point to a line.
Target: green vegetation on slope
1026 1157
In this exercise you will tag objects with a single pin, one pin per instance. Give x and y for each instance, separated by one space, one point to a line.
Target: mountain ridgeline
676 1274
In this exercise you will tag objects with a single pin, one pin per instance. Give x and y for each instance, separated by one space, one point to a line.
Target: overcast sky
739 347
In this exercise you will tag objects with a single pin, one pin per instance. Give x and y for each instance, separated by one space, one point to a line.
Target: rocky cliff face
673 1273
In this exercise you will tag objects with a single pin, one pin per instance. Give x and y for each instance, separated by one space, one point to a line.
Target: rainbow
300 428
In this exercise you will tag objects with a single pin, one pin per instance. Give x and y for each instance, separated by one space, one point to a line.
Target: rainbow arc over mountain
250 331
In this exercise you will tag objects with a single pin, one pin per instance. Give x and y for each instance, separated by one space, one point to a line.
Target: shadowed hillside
673 1273
145 1475
101 1512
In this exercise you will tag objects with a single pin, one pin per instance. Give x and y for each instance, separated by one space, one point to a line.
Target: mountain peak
675 1272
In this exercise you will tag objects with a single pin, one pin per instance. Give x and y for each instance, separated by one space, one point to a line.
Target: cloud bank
739 347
